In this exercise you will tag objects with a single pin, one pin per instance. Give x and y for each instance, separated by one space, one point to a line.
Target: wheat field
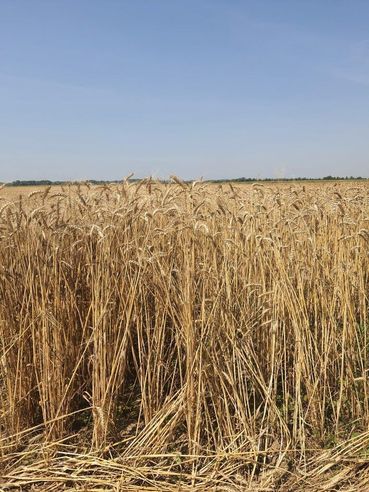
185 337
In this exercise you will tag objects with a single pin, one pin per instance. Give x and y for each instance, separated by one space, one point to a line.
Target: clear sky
215 88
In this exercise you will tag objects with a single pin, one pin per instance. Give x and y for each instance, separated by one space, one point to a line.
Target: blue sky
212 88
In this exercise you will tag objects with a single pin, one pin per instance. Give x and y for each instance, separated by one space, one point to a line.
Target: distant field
185 337
14 192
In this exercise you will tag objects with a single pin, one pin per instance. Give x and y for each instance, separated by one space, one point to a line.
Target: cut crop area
185 337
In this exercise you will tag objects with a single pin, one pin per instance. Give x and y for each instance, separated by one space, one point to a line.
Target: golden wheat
185 337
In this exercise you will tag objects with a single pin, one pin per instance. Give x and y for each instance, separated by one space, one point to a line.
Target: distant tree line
46 182
326 178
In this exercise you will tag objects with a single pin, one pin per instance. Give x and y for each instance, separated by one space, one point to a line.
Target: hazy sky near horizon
215 88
